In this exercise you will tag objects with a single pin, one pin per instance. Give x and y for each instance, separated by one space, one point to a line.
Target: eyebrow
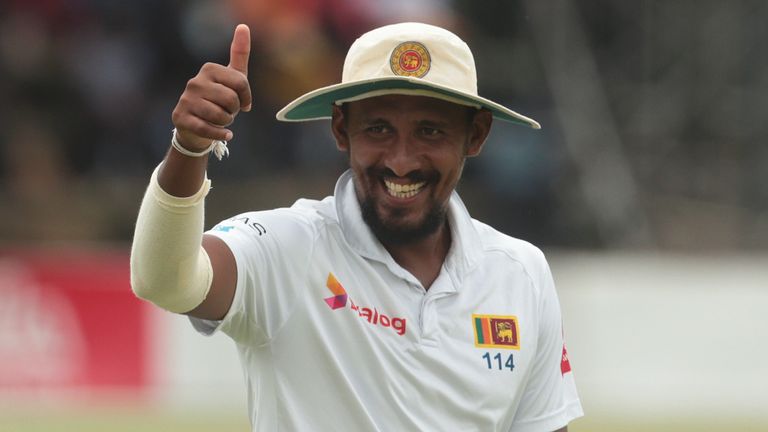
420 123
434 123
437 124
374 120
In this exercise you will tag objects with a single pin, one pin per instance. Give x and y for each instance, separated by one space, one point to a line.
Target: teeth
403 190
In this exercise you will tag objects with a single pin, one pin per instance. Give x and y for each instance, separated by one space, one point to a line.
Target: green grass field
125 420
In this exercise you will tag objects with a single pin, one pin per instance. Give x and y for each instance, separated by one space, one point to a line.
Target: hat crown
409 59
418 51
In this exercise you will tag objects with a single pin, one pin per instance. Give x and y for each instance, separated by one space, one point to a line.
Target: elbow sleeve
169 267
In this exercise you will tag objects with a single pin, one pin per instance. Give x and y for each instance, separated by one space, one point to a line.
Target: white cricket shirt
334 335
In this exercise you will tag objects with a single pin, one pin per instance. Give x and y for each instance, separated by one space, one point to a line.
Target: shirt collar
466 246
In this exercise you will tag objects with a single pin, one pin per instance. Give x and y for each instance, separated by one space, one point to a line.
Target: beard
390 230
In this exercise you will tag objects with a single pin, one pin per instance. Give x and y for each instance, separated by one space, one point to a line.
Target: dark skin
389 139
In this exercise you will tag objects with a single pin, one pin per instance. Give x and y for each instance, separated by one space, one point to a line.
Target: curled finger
206 130
223 96
212 113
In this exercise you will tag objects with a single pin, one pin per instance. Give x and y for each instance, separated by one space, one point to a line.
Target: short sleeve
271 250
550 400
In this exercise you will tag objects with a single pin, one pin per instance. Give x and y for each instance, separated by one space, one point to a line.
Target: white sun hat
406 58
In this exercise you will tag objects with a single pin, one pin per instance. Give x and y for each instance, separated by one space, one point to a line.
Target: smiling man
407 154
384 307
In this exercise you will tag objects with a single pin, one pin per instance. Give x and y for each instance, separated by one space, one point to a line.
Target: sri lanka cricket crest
410 59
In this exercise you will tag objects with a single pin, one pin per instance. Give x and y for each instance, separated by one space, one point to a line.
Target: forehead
405 105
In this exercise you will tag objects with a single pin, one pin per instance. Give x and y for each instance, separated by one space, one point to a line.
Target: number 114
508 364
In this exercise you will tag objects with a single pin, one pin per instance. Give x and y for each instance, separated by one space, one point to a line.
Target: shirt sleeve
271 250
550 400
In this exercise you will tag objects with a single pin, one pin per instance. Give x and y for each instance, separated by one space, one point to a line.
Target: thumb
240 49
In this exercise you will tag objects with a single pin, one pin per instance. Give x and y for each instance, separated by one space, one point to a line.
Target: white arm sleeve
169 267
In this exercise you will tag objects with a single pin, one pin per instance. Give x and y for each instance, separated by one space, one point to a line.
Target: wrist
219 148
190 141
169 199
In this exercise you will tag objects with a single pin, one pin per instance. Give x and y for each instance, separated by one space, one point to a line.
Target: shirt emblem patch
496 331
410 59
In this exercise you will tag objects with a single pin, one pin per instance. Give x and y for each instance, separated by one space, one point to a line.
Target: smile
403 190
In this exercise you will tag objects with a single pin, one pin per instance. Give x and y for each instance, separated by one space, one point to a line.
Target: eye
430 131
378 129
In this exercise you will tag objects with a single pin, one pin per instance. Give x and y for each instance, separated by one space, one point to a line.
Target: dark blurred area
653 113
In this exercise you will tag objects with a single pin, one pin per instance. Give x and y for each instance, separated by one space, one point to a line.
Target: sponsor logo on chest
370 315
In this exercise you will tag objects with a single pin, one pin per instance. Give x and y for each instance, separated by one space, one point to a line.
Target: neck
423 258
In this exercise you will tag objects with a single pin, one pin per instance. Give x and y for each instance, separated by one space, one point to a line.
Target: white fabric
311 367
451 62
169 267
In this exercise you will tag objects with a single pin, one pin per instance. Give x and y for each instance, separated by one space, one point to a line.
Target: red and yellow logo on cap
410 59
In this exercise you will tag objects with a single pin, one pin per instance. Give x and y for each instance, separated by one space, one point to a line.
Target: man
385 306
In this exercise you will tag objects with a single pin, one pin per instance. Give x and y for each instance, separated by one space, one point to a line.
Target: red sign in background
69 321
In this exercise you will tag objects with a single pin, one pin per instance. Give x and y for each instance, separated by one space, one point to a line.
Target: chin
393 230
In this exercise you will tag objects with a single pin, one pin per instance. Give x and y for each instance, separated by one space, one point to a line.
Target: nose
402 157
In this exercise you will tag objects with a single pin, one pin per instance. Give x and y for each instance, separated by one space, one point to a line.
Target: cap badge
410 59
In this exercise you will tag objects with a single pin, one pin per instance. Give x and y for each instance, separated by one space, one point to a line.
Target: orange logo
339 299
410 59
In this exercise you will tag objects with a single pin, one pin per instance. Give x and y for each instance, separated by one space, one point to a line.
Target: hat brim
317 104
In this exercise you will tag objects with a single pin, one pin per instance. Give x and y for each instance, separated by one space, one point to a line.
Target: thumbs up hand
214 97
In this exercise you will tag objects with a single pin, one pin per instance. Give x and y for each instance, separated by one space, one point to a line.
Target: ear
339 128
480 127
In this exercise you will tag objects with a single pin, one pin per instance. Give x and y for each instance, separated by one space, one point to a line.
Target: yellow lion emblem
504 331
411 61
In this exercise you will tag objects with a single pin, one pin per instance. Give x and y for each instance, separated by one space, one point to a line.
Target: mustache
413 176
